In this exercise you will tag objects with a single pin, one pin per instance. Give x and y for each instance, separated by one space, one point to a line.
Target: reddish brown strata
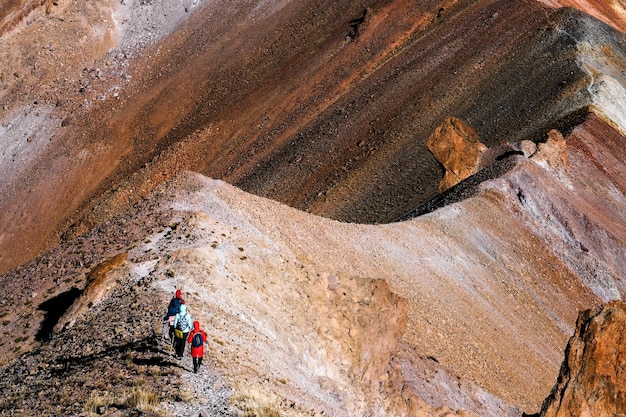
325 106
13 12
607 11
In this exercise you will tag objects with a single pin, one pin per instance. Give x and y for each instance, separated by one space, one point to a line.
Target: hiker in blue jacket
182 326
172 310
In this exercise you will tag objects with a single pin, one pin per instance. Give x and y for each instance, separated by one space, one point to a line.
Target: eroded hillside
255 93
490 302
326 107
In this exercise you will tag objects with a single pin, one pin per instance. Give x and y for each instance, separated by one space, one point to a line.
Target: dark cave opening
54 309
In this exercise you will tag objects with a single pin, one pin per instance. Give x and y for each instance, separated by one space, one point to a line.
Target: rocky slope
253 94
324 316
463 308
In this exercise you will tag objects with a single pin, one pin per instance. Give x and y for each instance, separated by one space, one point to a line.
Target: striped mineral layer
325 107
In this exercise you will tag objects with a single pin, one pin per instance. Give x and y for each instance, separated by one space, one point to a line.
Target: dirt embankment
486 306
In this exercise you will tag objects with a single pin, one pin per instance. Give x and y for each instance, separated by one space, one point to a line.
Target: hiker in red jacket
197 338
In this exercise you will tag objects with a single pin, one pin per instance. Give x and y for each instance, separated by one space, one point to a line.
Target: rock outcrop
99 283
458 148
592 379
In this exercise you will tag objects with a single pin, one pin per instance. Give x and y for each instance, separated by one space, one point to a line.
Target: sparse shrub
138 399
255 403
97 400
142 400
119 377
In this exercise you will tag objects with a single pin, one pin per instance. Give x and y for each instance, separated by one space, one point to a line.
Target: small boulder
457 147
553 152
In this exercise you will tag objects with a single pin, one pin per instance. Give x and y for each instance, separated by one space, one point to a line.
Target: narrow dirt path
206 394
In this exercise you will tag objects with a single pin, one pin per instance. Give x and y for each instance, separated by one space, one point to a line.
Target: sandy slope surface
101 102
343 317
468 307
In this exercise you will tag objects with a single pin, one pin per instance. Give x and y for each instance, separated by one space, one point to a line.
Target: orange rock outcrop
592 380
458 148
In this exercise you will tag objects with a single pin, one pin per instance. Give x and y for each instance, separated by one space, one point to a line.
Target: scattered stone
458 148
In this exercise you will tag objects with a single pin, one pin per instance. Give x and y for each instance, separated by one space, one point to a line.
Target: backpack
183 322
174 307
197 340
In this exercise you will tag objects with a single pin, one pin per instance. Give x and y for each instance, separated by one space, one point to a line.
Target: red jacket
197 352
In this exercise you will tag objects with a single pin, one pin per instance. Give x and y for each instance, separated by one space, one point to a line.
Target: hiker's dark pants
170 319
180 345
196 364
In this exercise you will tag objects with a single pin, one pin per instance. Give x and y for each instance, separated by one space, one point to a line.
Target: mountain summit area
375 208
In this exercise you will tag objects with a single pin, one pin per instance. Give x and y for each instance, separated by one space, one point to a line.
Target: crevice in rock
509 154
355 25
54 309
